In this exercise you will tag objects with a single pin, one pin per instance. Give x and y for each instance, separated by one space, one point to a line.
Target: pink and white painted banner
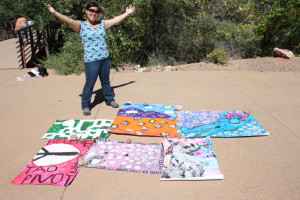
54 164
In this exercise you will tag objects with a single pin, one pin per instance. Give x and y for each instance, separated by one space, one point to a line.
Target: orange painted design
144 126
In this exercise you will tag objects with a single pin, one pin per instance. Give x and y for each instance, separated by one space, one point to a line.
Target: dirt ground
275 64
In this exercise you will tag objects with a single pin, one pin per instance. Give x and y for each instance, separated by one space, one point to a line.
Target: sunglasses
93 11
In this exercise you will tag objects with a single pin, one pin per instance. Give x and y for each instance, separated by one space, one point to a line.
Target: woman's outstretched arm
74 24
111 22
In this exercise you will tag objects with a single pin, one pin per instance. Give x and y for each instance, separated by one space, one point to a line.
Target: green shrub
218 56
156 60
70 58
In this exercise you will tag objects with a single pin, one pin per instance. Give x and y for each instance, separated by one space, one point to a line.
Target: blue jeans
94 69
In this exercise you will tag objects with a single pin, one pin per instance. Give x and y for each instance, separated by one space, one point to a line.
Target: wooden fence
6 30
33 43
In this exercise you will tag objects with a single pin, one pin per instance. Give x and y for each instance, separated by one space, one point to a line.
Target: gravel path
274 64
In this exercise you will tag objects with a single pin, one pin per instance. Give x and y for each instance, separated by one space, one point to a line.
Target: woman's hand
74 24
111 22
49 8
130 9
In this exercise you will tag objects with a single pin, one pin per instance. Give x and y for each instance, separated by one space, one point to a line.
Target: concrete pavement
8 54
264 167
254 168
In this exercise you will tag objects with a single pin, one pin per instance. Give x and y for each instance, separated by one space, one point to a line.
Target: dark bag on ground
42 71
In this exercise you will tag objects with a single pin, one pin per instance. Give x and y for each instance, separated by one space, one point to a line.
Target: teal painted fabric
222 123
93 40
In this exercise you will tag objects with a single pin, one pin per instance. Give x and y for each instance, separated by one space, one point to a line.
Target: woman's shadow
99 98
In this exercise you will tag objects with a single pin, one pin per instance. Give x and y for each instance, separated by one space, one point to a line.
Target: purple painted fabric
135 112
117 155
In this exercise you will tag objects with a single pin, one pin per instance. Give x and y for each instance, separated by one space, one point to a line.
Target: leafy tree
278 24
178 31
128 41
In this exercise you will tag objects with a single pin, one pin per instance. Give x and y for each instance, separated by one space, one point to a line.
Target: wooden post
22 49
31 43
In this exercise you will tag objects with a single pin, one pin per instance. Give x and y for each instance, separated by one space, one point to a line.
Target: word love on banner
54 164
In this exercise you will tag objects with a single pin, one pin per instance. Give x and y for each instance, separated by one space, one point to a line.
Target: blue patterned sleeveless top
93 40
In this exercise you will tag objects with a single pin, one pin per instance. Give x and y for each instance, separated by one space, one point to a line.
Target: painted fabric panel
54 164
189 159
84 129
145 120
117 155
227 123
147 110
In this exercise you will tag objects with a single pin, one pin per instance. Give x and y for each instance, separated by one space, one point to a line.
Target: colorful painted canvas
145 120
84 129
54 164
225 123
117 155
190 159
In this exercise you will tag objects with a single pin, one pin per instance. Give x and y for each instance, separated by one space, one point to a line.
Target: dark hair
19 16
92 4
